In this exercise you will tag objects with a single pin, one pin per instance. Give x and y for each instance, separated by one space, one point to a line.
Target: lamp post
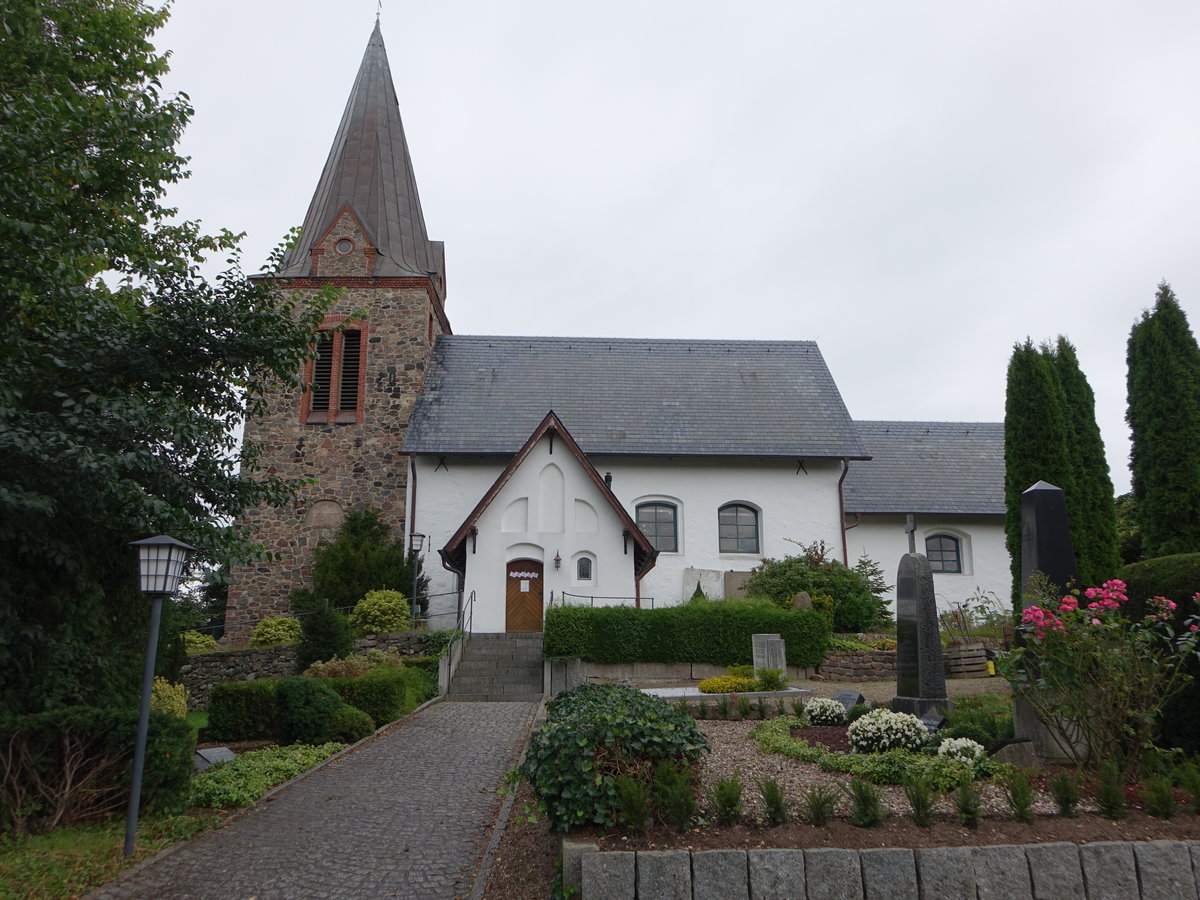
161 561
416 542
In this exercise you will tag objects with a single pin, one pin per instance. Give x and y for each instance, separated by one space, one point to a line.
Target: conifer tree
1091 507
1164 418
1036 440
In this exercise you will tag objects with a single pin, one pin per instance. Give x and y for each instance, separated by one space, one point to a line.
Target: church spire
370 174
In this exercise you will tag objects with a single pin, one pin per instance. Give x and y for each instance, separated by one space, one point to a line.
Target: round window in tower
345 245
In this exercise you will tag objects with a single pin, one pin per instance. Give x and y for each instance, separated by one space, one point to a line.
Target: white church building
579 469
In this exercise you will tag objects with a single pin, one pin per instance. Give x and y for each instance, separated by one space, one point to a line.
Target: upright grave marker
769 652
920 673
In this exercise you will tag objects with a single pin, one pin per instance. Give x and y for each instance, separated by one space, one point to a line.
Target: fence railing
464 625
565 598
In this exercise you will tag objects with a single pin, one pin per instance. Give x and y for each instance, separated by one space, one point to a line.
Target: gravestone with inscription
769 652
920 672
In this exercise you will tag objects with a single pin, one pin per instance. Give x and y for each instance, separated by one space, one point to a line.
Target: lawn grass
198 719
69 862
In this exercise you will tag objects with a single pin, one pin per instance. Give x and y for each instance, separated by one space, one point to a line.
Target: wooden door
523 595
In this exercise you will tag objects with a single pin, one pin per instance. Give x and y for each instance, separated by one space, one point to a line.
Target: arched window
659 523
944 553
583 569
737 529
335 377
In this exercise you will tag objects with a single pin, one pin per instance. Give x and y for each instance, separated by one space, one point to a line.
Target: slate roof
633 396
369 170
928 467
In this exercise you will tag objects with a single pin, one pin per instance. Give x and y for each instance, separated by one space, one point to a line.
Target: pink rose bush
1097 679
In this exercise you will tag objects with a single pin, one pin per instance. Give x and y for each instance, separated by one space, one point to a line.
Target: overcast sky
916 186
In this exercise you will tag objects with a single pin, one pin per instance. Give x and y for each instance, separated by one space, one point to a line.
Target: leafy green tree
1129 538
1164 418
123 372
1037 439
1091 508
855 607
362 557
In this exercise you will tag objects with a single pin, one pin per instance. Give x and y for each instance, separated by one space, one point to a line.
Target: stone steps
499 667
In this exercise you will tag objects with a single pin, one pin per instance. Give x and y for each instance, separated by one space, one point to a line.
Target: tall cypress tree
1164 418
1091 508
1036 440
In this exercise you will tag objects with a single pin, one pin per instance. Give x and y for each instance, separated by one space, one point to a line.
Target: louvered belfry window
335 379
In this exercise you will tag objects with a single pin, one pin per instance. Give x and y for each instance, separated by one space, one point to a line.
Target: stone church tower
365 234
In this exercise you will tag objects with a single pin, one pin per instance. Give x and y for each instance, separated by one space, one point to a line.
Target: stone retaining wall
1154 869
861 665
204 670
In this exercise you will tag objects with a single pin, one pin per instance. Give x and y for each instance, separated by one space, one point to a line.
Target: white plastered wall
985 559
549 507
794 502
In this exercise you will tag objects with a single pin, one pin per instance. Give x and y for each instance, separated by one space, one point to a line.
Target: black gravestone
1046 544
849 699
920 672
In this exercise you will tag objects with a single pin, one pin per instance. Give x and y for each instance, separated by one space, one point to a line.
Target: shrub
1019 790
350 725
743 707
740 671
354 666
967 804
717 632
242 781
985 719
1159 796
1110 791
275 630
633 803
384 694
963 749
866 805
857 711
242 710
362 557
822 711
771 680
195 642
1097 677
69 765
673 790
818 804
594 733
725 797
922 797
1176 578
726 684
1064 788
882 729
168 698
774 801
723 706
381 612
305 708
857 600
326 634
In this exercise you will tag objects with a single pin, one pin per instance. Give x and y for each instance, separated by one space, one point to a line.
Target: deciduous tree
123 371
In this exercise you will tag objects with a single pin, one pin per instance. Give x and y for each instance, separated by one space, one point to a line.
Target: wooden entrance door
523 595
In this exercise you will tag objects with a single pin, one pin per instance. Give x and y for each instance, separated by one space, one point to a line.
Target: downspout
842 509
412 496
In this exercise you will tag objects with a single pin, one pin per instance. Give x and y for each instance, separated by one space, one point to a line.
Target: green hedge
1177 578
242 711
715 632
37 746
386 694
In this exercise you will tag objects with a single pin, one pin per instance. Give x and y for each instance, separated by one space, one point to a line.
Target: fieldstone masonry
348 464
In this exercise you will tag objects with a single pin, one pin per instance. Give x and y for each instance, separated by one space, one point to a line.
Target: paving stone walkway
406 815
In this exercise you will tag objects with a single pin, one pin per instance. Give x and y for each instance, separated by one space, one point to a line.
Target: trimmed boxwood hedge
385 694
716 632
1177 578
242 711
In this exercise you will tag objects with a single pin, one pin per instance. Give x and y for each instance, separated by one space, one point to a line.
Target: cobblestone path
407 815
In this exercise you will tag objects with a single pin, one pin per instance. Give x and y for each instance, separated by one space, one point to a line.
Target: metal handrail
621 601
